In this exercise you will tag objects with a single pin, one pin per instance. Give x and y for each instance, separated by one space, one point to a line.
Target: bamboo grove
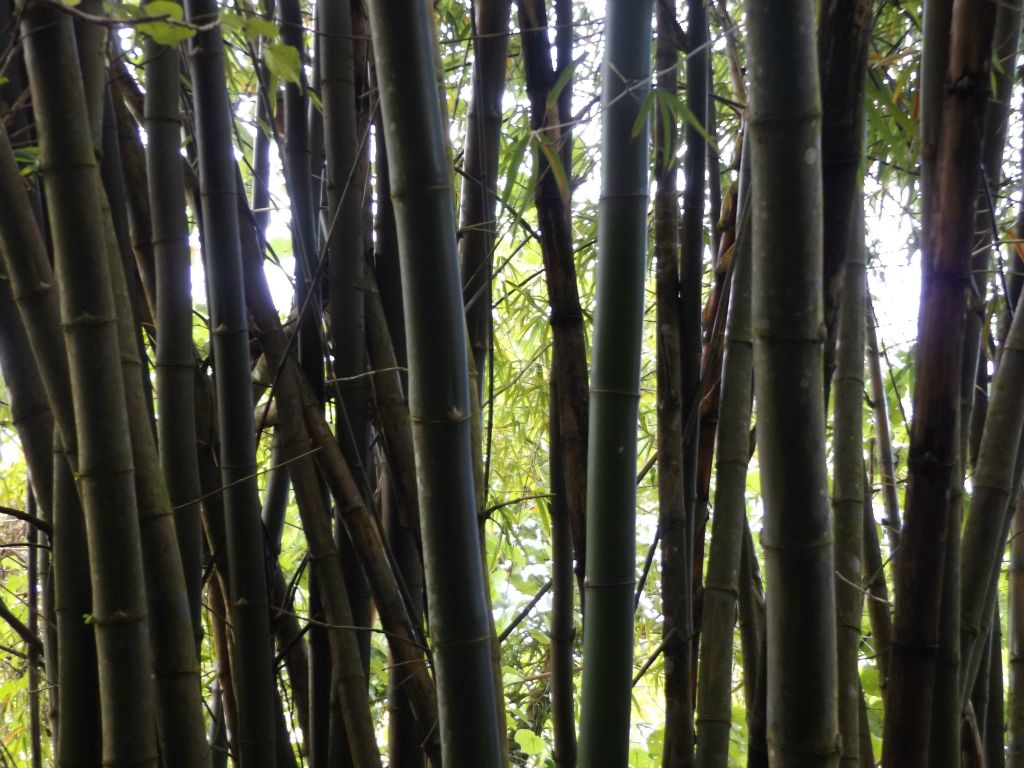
479 383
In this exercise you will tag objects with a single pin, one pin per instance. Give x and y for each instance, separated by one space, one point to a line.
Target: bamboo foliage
326 462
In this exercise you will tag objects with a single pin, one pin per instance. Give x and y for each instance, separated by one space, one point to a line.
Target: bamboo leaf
555 166
563 80
641 117
165 32
256 26
515 161
283 61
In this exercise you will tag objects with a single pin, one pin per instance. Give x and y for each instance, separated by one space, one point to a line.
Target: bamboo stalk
785 131
615 391
404 51
105 470
726 556
253 677
933 461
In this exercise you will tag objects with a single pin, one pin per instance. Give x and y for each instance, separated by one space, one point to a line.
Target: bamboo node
117 617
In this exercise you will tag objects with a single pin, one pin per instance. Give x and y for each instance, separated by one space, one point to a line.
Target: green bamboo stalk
399 505
879 609
1005 39
890 498
866 750
438 380
785 129
478 225
1015 714
615 390
988 521
944 741
347 269
403 740
994 722
997 112
180 721
230 339
391 409
175 356
346 258
937 17
105 470
848 488
79 735
750 617
36 653
563 620
934 433
724 566
31 416
34 291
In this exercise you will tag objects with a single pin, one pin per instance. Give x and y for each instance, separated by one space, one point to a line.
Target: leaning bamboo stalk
34 290
299 406
879 608
105 469
180 721
30 411
996 474
725 565
615 391
879 402
785 131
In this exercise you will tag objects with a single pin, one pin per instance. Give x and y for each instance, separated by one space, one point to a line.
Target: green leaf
559 86
529 742
257 26
283 61
515 160
166 8
165 32
555 165
232 21
641 118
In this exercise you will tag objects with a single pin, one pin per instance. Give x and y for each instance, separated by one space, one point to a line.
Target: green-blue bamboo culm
403 40
229 331
105 470
615 389
788 329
